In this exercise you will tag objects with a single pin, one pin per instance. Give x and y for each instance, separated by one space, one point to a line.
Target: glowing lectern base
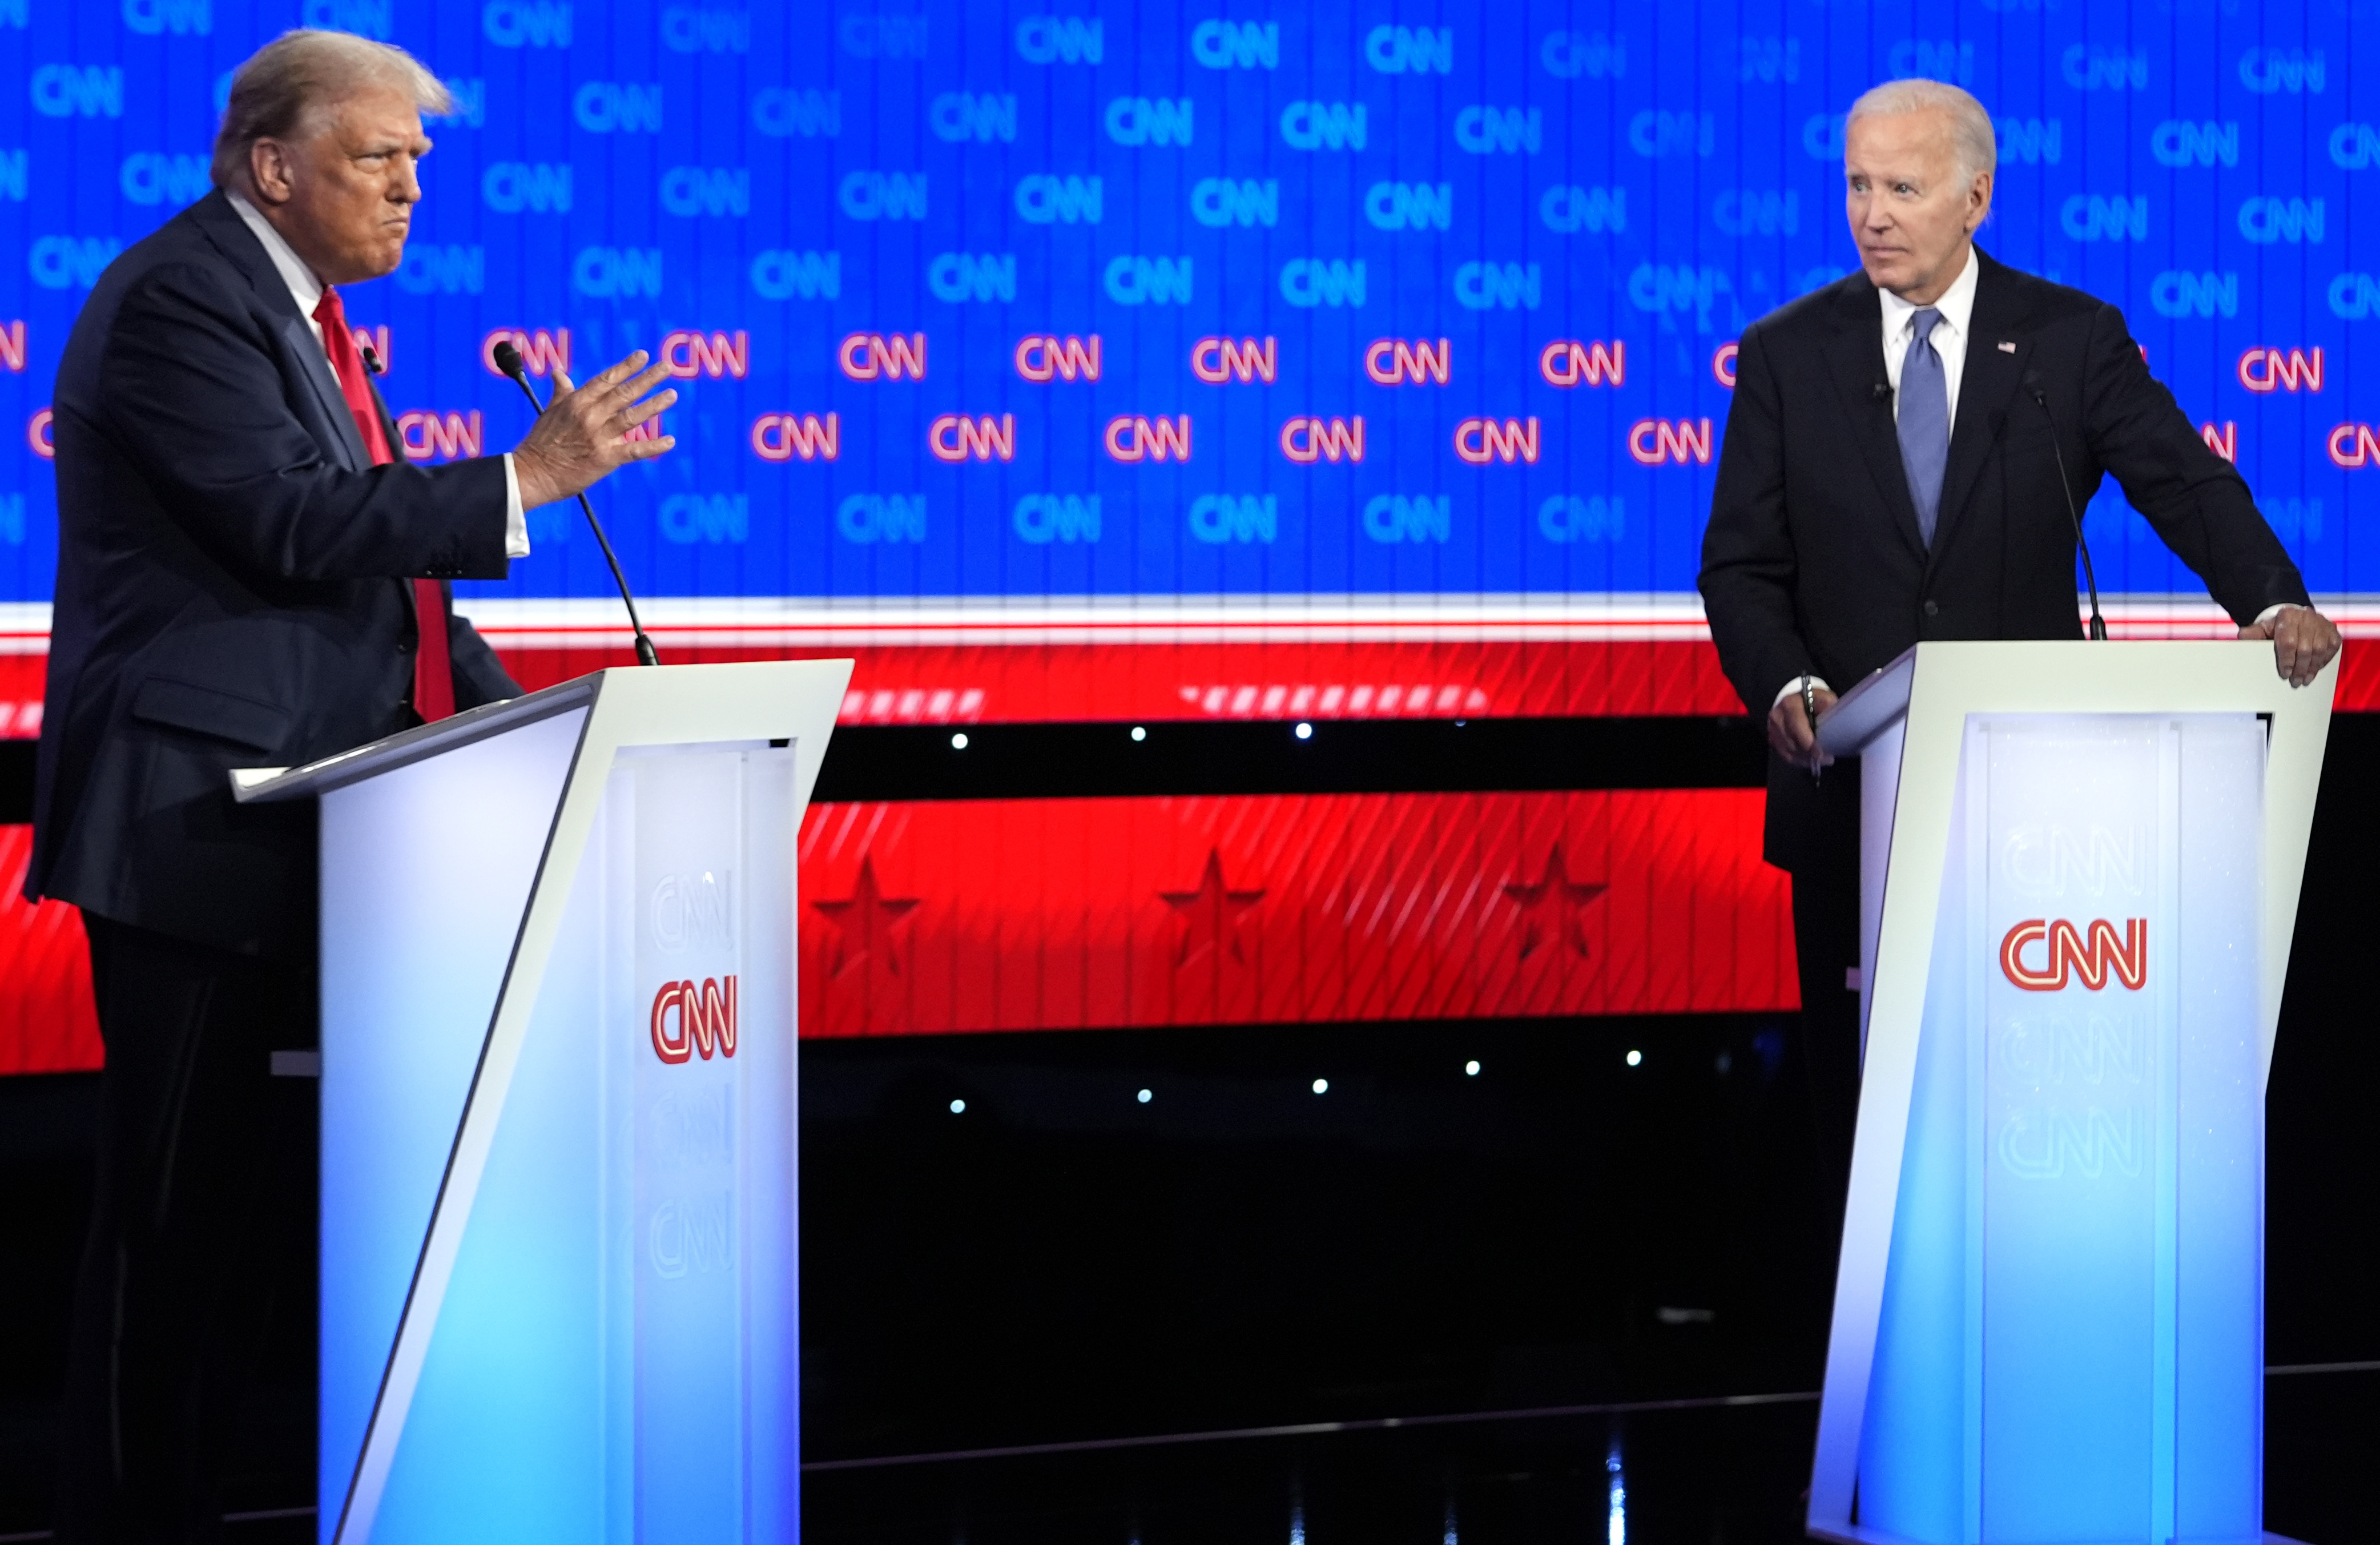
559 1294
2080 873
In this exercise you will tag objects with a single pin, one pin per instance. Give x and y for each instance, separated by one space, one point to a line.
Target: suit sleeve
479 676
2196 502
1750 567
192 395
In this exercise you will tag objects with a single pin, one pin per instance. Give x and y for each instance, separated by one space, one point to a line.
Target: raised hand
580 439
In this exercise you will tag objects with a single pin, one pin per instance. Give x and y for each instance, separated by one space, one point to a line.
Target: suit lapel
299 339
1855 358
1987 385
231 237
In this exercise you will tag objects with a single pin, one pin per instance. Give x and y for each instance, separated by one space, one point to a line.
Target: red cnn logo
1655 441
542 353
2067 955
687 354
1132 438
2224 441
1394 363
956 437
1220 361
783 436
1481 441
439 436
876 356
1310 440
2352 445
12 346
1044 357
705 1018
1723 365
1568 363
2268 369
37 435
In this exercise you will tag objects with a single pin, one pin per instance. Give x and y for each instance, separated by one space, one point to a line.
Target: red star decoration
864 920
1209 912
1555 896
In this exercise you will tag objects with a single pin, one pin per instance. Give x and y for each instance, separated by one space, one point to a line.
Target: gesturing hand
579 439
2303 642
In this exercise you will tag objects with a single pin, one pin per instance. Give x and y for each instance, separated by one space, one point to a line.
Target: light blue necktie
1924 423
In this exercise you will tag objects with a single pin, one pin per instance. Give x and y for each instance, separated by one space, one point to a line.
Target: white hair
293 78
1971 127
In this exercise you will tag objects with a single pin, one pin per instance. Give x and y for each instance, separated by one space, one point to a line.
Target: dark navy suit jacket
231 590
1812 561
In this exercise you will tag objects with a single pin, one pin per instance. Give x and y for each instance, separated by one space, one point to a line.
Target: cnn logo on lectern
690 1018
2066 954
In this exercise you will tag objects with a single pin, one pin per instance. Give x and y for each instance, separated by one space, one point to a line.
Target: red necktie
433 669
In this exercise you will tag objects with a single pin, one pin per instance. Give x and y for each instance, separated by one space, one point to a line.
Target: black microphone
508 360
2033 389
372 358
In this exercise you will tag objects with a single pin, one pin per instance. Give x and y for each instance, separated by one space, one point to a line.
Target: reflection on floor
1700 1472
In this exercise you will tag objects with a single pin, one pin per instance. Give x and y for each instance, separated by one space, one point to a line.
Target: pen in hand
1810 706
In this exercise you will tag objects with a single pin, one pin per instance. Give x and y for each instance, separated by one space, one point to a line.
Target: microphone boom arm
646 653
2098 624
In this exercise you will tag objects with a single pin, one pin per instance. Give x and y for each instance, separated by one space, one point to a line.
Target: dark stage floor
1066 1264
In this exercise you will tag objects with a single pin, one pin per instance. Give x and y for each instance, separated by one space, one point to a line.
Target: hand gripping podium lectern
559 1298
2079 869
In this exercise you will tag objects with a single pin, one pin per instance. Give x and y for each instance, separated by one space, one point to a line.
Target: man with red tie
249 574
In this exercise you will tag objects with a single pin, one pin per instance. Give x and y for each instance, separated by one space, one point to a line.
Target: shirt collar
1957 304
304 288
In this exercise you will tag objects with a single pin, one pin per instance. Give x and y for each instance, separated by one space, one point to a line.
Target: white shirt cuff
1793 689
2269 613
515 519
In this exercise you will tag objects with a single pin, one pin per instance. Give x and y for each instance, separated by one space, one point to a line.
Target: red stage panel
933 917
46 1023
1013 683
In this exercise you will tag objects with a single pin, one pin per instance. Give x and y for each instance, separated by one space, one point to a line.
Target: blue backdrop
753 186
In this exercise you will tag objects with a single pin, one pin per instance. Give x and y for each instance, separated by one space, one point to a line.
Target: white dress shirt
1949 338
307 290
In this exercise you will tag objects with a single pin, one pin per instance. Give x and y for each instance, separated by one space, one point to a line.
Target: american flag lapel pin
2007 347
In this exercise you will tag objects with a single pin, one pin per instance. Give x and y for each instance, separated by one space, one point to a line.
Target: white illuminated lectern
2080 870
558 1257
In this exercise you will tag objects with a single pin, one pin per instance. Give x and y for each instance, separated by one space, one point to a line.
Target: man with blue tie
1891 473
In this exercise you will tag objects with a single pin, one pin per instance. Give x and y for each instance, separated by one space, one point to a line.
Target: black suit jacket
232 590
1812 561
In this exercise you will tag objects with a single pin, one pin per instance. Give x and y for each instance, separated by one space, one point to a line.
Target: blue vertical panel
616 1356
2071 1341
428 872
2077 828
2219 1382
1917 1451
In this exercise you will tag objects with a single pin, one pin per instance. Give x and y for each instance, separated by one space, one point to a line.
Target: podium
559 1290
2080 866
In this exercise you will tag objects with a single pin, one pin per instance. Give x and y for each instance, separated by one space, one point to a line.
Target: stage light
958 1107
1138 732
1322 1085
1145 1097
1471 1068
958 741
1634 1057
1306 732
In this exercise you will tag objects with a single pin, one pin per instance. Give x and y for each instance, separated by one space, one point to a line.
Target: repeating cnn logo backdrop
1047 299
